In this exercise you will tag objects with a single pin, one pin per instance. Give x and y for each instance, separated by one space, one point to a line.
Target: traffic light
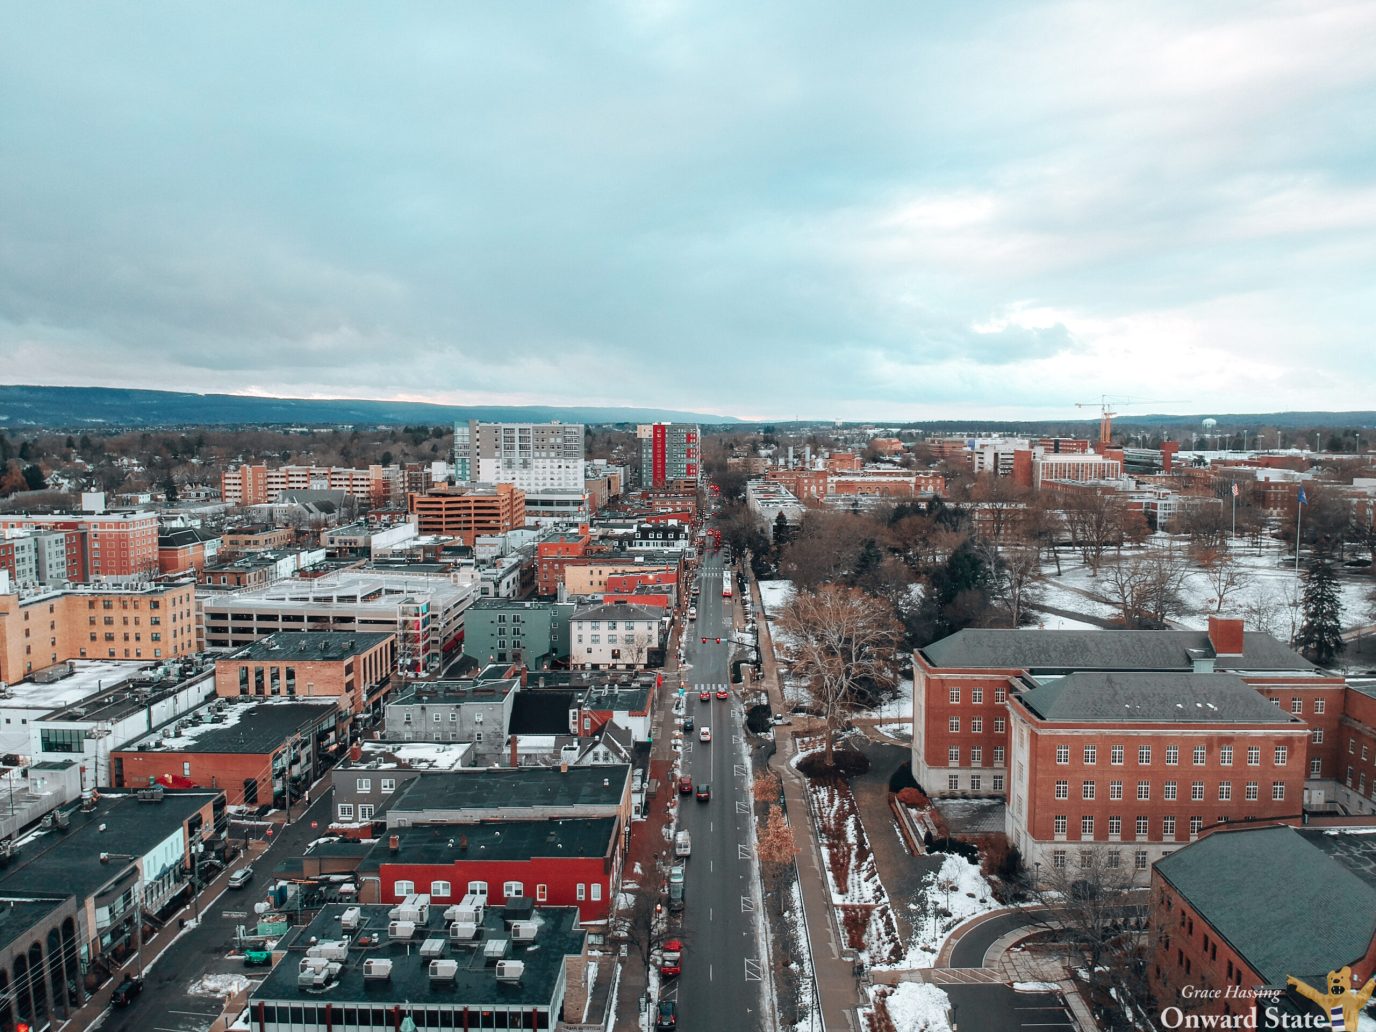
718 641
704 641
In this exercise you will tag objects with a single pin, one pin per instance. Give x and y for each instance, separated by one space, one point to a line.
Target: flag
1303 500
1234 490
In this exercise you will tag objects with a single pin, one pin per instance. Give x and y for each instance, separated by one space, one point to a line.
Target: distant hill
88 407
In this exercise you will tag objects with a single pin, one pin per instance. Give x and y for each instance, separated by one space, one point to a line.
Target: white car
692 612
705 735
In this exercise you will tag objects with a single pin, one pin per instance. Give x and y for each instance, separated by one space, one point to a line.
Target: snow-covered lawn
775 594
955 893
915 1007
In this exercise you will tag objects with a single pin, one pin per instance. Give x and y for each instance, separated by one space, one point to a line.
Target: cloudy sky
758 209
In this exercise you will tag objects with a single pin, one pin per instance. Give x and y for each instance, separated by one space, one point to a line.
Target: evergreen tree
868 561
783 531
1320 636
25 451
169 489
34 479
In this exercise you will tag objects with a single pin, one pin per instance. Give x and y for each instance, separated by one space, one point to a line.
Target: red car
685 785
704 696
722 693
672 962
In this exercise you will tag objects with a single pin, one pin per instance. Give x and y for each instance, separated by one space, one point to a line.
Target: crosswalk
709 687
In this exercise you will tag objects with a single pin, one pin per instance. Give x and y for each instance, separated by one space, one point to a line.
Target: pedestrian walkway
838 989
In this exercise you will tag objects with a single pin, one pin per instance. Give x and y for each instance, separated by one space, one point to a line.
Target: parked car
127 989
257 958
666 1017
685 785
705 735
241 877
704 792
723 694
688 726
692 612
671 960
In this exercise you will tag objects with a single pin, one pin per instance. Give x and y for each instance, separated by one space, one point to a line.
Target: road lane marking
747 905
753 971
742 806
742 852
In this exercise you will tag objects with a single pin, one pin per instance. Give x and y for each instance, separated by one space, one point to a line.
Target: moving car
704 792
683 844
685 785
692 612
666 1017
704 696
240 878
722 693
125 992
705 735
726 590
688 725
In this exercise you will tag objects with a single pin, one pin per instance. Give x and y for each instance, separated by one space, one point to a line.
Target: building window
389 784
1063 790
596 891
1172 755
976 695
952 782
582 891
541 892
1315 767
1060 823
953 756
365 811
977 725
1199 754
977 757
999 725
1144 790
1196 790
1115 756
513 888
403 888
998 756
1144 755
1278 790
1320 705
1196 825
1112 859
1087 790
1000 694
1225 791
1062 754
1296 704
1115 790
1253 756
1168 827
1139 860
1316 736
365 784
1058 859
1225 755
1168 791
976 781
1142 827
953 695
477 888
1091 755
1250 793
1115 827
998 782
953 725
1282 755
1086 827
439 889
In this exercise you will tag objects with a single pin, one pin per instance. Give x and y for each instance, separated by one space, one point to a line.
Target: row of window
298 1017
976 756
365 812
445 890
976 783
1170 790
1111 859
387 784
1280 755
976 696
976 725
1060 826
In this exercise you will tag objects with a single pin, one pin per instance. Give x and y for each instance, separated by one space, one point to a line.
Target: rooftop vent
510 970
377 969
443 970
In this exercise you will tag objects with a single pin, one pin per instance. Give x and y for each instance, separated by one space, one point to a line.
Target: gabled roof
1034 649
1287 906
1152 697
615 611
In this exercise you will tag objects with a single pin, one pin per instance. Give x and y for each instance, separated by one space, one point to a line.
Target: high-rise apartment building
670 453
101 546
262 485
536 457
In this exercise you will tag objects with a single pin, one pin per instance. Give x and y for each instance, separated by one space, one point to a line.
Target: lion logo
1341 1003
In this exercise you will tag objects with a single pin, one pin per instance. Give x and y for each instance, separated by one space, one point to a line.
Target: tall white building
536 457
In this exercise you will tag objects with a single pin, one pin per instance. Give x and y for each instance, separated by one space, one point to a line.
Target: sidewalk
837 989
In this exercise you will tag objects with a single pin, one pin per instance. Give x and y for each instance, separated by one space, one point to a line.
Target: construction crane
1106 415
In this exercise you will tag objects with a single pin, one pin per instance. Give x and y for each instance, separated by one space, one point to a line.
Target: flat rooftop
500 787
253 729
1151 697
443 844
411 756
19 914
475 983
308 646
91 678
427 693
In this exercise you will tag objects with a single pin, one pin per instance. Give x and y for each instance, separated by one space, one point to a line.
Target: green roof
1152 698
1285 905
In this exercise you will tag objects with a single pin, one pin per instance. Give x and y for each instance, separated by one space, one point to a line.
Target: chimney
563 768
394 843
355 753
463 843
1225 635
515 759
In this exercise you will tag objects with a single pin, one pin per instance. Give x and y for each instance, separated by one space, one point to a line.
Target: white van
683 844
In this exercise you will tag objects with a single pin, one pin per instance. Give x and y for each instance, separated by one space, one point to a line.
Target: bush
955 846
903 778
757 719
846 761
915 798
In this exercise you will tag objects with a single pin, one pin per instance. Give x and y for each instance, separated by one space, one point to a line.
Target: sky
765 210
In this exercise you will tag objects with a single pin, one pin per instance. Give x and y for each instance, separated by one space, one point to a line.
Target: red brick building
468 512
1248 907
553 553
354 669
558 862
110 545
1145 761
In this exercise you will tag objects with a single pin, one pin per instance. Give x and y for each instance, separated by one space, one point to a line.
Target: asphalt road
720 987
166 1005
998 1008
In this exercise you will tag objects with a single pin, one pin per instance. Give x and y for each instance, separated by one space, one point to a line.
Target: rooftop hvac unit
401 929
510 970
451 913
494 949
472 913
443 970
313 963
432 948
523 931
335 950
377 969
462 931
350 919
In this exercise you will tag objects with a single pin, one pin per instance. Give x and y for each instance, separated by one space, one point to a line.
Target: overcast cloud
763 210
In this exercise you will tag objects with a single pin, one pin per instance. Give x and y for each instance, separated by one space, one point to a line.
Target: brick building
551 554
469 512
1147 761
1249 907
108 545
354 669
155 621
257 538
186 550
262 484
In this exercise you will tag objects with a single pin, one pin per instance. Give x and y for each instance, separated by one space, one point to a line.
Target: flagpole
1299 521
1234 512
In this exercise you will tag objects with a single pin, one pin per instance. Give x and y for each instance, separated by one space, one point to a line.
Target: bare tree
1017 573
1096 520
1225 575
1147 588
839 643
